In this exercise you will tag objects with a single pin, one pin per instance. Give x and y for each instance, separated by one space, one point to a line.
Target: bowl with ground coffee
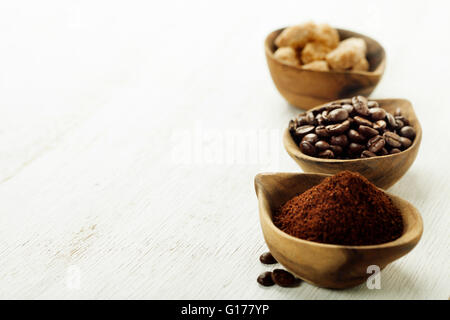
330 230
378 138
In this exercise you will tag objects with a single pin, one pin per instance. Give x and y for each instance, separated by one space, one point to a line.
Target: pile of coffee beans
280 277
350 129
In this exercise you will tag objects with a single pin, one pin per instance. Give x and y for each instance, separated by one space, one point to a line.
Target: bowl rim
292 148
377 72
405 238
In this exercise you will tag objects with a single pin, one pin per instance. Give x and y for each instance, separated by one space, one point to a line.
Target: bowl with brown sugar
309 68
333 231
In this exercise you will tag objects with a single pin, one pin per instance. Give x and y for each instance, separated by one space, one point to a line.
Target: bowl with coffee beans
377 138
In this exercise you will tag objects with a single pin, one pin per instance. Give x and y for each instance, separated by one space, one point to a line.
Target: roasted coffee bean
391 120
339 128
337 150
311 137
292 125
355 148
338 115
383 152
403 119
265 279
307 148
340 140
392 139
367 131
408 132
332 106
301 131
395 150
320 120
301 120
267 258
355 136
360 104
310 118
377 114
348 107
406 143
372 104
328 154
325 116
362 121
284 278
367 154
322 132
322 145
398 112
380 125
375 144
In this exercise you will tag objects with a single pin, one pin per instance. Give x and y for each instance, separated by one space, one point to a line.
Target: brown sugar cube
314 51
362 65
348 53
327 35
317 66
296 36
287 55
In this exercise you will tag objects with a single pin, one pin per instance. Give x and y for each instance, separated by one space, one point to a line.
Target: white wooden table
119 175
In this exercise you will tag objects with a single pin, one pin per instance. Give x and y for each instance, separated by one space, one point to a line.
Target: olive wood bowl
305 89
383 171
326 265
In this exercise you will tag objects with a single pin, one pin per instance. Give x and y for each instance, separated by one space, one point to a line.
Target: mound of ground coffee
344 209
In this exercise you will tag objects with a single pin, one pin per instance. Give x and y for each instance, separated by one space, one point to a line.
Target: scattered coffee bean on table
267 258
265 279
284 278
350 129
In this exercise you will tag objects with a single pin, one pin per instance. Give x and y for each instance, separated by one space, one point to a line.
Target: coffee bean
372 104
301 120
403 119
340 140
301 131
332 106
375 144
284 278
328 154
322 145
383 152
292 125
377 114
367 154
406 143
398 112
267 258
337 150
322 132
311 137
362 121
355 136
348 107
399 124
408 132
339 128
325 116
355 148
307 148
367 131
392 139
310 118
395 150
380 125
338 115
320 120
391 120
265 279
360 104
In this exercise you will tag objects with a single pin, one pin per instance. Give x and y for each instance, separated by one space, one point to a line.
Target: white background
109 112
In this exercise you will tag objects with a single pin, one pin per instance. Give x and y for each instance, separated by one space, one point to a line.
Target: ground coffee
344 209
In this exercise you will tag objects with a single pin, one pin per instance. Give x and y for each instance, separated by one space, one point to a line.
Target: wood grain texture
91 96
306 89
383 171
325 265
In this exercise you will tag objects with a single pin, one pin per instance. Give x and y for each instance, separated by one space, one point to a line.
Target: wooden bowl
305 89
383 171
326 265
